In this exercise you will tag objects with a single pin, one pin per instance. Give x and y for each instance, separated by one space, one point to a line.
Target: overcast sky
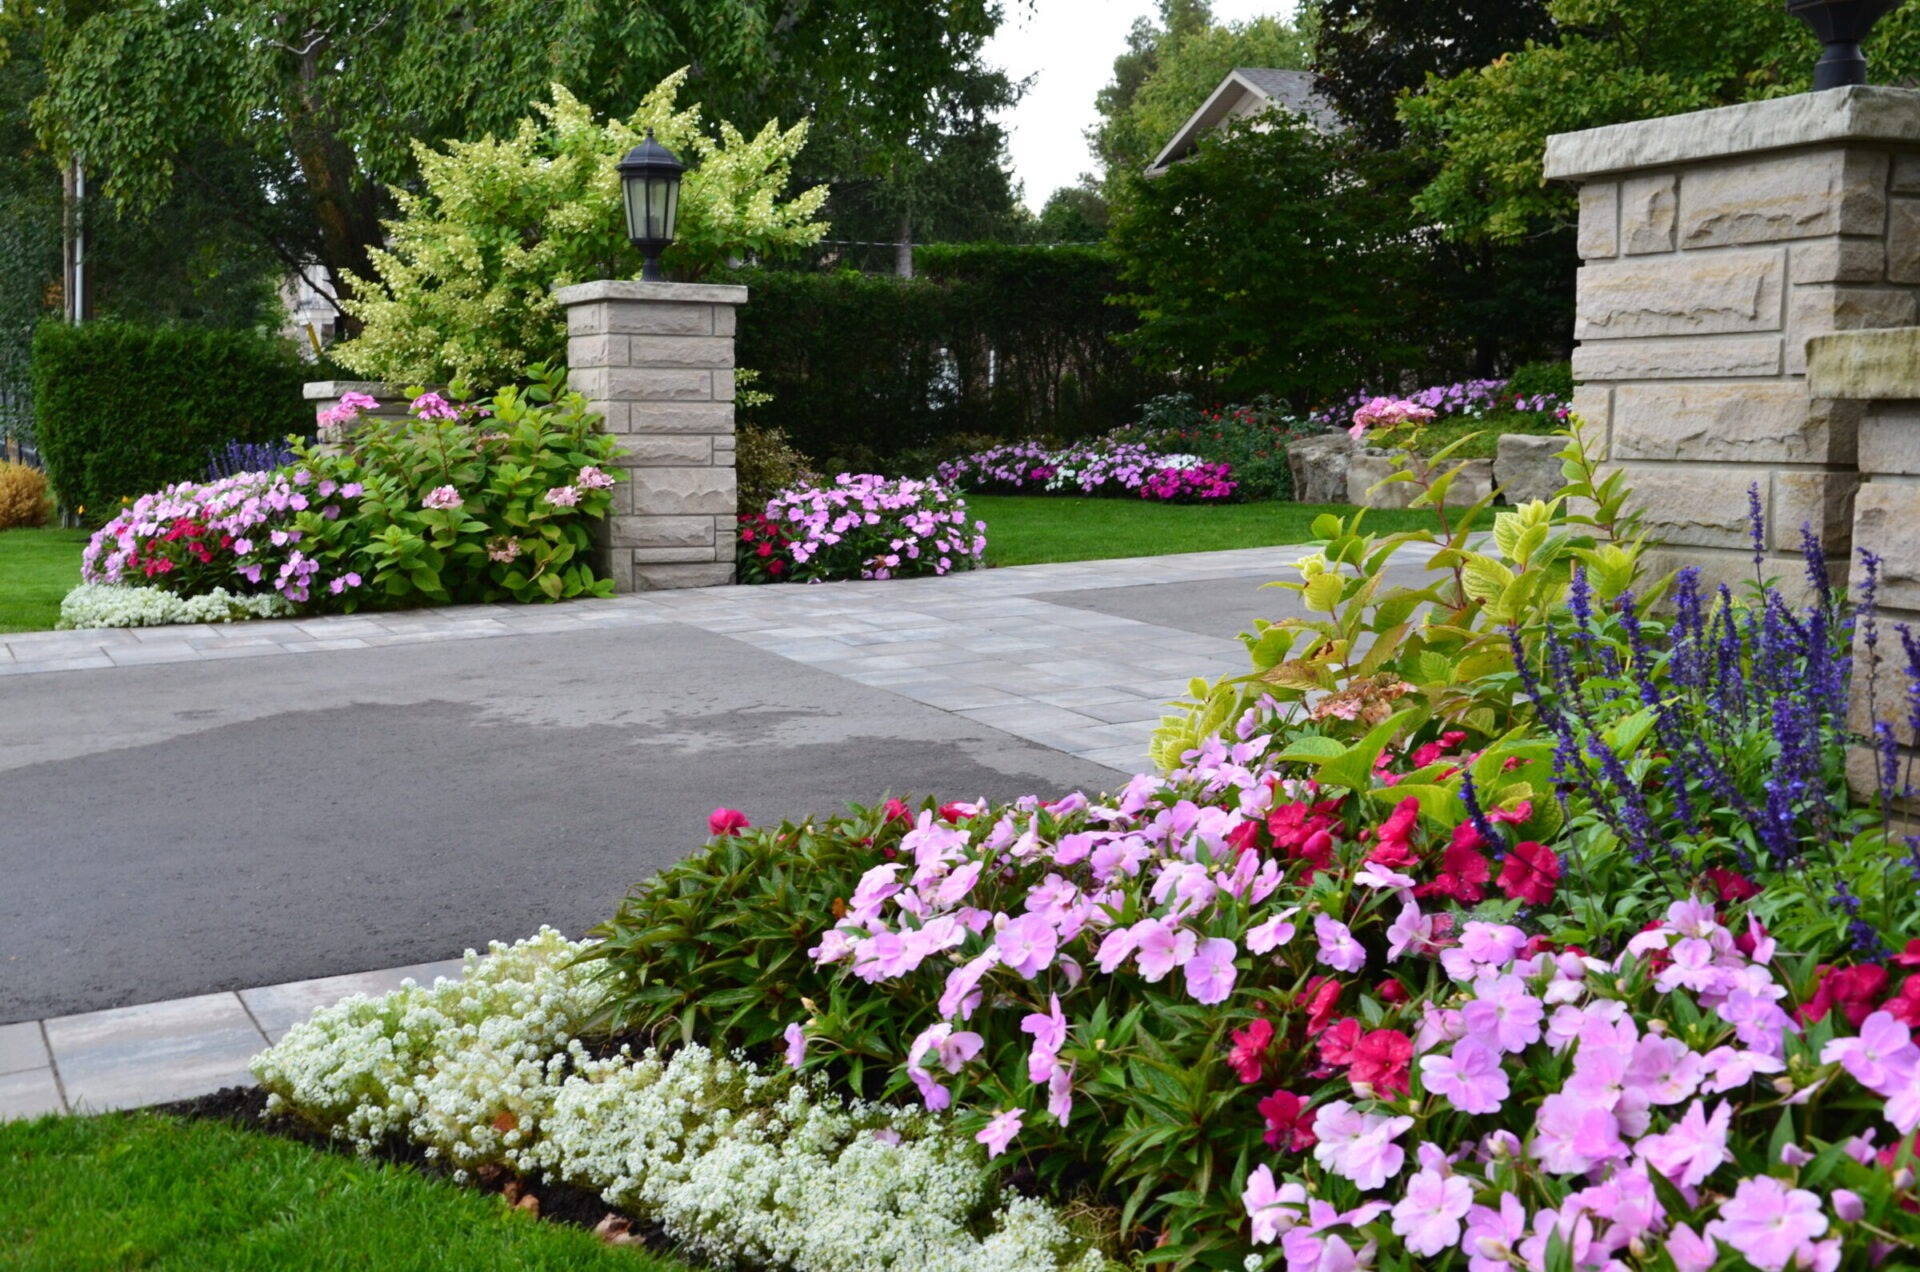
1069 47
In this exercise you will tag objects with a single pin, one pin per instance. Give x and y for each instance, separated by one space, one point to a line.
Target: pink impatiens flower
1693 1148
1429 1214
1359 1146
1049 1030
1210 972
1881 1059
726 821
1273 1208
999 1132
1248 1057
1027 944
1161 947
1769 1223
796 1046
1471 1077
1338 949
1493 1235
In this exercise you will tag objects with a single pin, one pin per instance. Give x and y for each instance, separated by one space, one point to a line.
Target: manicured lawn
1029 530
141 1190
37 568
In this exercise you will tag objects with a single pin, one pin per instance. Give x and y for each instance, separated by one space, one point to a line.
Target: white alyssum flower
740 1165
121 605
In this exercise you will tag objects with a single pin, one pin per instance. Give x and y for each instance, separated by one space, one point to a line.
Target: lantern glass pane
673 209
634 190
656 206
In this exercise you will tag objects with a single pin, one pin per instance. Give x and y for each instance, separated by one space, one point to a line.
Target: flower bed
861 527
460 502
1109 466
1485 925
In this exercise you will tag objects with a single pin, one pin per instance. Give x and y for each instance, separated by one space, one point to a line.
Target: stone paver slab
128 1057
29 1093
22 1047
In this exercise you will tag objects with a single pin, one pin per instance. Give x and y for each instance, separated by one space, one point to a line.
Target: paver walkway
1076 658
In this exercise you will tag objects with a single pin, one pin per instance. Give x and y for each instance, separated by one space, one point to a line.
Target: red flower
1250 1050
1909 957
726 821
1319 996
951 813
776 568
1380 1061
765 550
1337 1043
1245 838
1289 1122
1531 873
1464 870
1393 992
1905 1005
1852 989
1396 836
1731 884
898 812
1513 816
1432 751
1293 825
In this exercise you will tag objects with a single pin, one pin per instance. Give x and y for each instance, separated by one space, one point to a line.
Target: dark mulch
559 1202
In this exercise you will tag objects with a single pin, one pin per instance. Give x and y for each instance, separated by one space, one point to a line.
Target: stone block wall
1715 245
326 394
1880 371
656 361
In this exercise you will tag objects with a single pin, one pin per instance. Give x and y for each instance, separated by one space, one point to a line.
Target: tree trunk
903 244
345 203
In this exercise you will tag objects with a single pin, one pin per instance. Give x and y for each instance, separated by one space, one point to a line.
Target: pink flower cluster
1384 412
1101 467
240 532
874 527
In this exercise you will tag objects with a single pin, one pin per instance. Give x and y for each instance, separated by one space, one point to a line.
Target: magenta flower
1338 949
999 1132
431 406
1429 1215
1571 1135
1210 972
1027 945
1769 1223
726 821
1504 1015
1471 1077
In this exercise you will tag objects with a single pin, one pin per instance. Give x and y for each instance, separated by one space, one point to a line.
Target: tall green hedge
986 338
122 410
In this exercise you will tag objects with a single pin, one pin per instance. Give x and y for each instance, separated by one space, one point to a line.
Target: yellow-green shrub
23 497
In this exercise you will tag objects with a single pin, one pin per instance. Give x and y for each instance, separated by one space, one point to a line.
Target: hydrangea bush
738 1164
861 527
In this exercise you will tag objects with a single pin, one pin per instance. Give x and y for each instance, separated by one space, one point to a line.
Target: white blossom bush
742 1166
107 605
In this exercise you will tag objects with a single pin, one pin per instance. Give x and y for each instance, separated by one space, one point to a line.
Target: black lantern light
1841 25
650 180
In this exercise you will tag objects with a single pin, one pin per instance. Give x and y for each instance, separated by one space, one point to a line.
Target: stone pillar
656 360
1880 370
1714 245
326 394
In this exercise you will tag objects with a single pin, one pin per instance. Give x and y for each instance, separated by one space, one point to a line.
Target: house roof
1249 90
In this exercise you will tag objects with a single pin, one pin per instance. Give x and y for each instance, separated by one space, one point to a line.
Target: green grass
138 1190
1030 530
37 568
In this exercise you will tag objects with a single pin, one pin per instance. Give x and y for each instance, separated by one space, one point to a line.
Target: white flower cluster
105 605
741 1166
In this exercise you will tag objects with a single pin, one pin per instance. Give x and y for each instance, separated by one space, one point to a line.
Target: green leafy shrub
465 286
985 339
122 410
1252 436
766 463
471 502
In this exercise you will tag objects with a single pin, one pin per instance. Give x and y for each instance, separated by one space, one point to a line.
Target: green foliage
122 410
1373 646
1276 261
1612 61
1074 214
465 286
766 463
503 536
991 339
1168 71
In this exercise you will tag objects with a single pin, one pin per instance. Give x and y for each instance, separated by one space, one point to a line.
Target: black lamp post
650 182
1841 25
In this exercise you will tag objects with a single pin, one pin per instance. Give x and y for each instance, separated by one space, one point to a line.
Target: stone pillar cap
1855 114
1881 364
633 289
320 390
